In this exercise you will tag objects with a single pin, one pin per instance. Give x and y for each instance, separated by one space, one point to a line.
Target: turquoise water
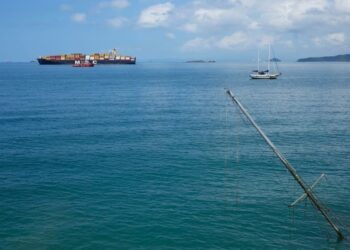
154 156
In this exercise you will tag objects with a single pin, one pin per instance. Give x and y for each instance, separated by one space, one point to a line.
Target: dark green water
154 156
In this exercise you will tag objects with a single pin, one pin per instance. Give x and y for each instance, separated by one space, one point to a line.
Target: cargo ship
97 58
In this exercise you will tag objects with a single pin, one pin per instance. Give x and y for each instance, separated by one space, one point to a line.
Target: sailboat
265 74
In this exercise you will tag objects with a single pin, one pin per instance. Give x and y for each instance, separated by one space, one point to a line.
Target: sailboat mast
289 167
258 59
268 63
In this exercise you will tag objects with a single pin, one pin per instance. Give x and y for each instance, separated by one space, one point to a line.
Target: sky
226 30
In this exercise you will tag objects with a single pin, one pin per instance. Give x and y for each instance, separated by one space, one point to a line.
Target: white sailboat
264 74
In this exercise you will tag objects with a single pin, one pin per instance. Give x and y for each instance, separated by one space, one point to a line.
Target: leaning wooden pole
289 167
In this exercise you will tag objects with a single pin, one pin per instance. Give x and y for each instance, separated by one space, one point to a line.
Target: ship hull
114 62
43 61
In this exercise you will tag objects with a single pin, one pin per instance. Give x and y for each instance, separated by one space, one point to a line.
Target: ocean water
155 156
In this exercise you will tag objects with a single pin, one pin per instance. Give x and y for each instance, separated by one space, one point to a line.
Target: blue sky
229 30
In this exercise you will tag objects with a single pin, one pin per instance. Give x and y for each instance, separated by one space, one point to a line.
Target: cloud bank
230 24
233 25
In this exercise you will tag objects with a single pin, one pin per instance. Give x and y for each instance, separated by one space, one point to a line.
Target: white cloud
219 16
254 25
244 3
198 44
285 14
332 39
317 41
212 21
118 4
116 22
170 35
156 15
210 15
190 27
79 17
233 40
335 38
342 5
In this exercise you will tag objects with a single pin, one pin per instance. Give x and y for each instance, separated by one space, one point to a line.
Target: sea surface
156 156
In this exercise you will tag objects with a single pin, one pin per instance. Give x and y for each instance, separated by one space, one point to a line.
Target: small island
201 61
338 58
275 60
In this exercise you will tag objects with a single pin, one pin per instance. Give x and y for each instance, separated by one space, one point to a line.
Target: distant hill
338 58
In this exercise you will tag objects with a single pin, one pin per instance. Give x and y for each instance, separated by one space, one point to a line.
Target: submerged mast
290 168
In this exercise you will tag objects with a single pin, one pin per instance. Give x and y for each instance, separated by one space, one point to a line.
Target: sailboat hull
263 76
